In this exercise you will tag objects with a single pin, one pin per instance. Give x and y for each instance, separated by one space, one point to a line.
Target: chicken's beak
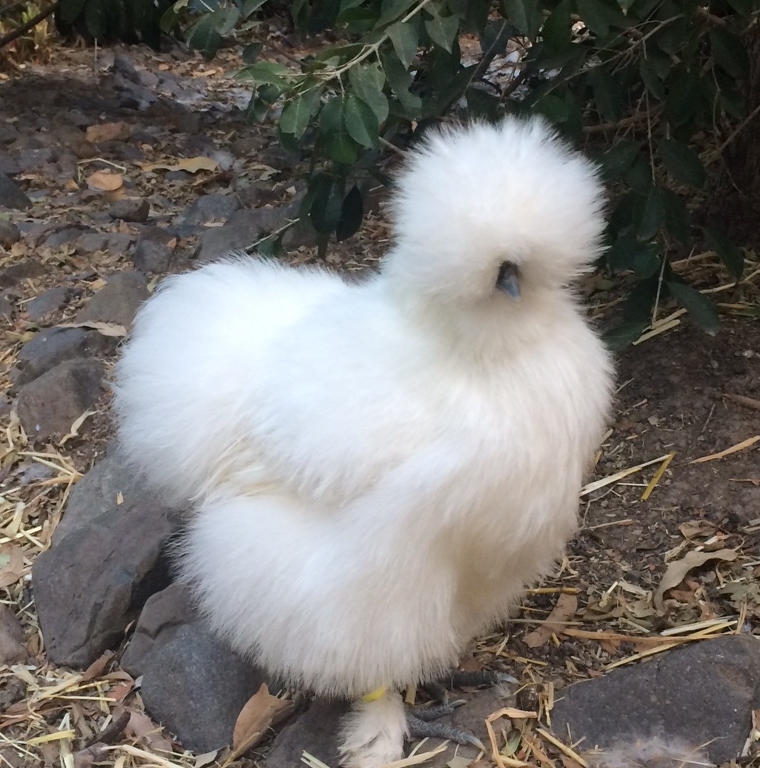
509 280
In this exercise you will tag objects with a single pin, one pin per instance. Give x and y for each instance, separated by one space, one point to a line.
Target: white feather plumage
380 468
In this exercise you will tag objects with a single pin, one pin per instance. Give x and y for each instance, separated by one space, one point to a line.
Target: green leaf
251 6
525 15
296 115
684 96
619 158
557 29
367 82
251 53
677 220
628 253
269 72
624 335
730 52
400 80
654 84
443 30
681 162
326 201
696 304
648 214
391 10
339 145
728 253
351 214
594 15
403 35
606 93
70 10
361 122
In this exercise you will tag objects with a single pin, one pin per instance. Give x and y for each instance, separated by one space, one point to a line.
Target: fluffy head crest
473 197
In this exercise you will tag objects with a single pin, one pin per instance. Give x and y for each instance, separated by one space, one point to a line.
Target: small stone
701 697
112 242
49 302
88 587
9 233
50 404
55 345
154 250
17 272
210 208
11 691
12 647
11 196
130 209
117 301
6 307
195 660
34 159
8 164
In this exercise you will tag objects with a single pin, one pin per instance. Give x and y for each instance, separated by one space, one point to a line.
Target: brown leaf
260 712
98 667
189 164
107 132
105 181
563 611
11 564
679 568
141 727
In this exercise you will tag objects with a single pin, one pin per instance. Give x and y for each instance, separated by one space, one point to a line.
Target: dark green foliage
641 85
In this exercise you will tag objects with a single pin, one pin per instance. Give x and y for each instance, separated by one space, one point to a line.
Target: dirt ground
679 392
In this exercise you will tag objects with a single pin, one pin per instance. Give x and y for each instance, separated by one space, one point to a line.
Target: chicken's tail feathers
516 187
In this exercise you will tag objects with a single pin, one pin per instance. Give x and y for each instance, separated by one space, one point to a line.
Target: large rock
164 613
118 301
104 489
19 271
154 251
244 228
56 345
11 196
700 697
50 404
90 585
49 302
208 208
12 647
196 687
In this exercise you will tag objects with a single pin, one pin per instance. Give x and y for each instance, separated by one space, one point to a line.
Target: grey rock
9 233
50 301
65 236
11 691
314 731
11 637
159 621
11 196
50 404
88 587
130 209
244 228
209 208
6 308
194 660
55 345
113 242
117 301
33 159
701 696
98 493
8 164
17 272
153 252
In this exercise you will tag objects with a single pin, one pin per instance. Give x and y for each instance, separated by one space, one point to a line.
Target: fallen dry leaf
679 568
260 712
141 727
562 612
105 181
107 329
107 132
11 564
189 164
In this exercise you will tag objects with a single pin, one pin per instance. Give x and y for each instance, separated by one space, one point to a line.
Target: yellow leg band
376 694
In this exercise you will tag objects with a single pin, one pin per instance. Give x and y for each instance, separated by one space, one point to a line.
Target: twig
24 28
747 402
640 117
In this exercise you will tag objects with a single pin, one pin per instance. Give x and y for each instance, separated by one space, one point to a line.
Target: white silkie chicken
380 468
